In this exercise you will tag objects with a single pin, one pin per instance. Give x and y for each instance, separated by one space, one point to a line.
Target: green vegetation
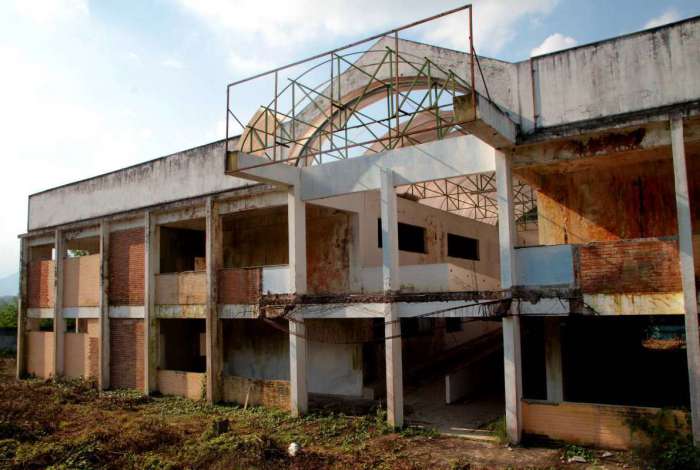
669 444
8 313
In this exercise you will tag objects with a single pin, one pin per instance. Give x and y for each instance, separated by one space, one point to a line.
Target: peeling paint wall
81 281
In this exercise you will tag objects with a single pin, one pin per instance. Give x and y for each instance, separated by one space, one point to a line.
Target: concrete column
59 324
390 232
511 324
103 379
552 357
214 336
296 220
355 253
150 322
391 283
22 309
296 215
685 245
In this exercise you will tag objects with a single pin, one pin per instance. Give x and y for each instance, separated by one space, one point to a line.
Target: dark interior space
182 345
182 249
633 361
533 359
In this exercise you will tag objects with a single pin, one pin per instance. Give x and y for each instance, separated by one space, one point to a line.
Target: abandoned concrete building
451 236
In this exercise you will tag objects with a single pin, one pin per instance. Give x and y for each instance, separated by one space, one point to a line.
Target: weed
572 450
499 430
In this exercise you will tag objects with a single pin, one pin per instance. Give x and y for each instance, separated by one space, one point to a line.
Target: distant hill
9 285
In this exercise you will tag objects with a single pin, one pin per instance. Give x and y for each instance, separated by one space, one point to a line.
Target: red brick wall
126 267
240 286
126 353
40 284
630 266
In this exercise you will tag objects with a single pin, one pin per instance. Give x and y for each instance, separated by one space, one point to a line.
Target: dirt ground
69 425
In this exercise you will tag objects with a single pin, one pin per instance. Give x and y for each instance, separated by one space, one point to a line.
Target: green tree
8 315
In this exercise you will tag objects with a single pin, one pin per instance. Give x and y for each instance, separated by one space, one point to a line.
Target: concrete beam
552 357
59 324
435 160
238 163
103 378
485 120
22 307
687 263
214 334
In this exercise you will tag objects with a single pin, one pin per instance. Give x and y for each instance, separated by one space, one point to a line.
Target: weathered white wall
191 173
629 73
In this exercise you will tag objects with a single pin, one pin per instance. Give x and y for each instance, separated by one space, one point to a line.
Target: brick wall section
629 266
40 292
126 267
240 286
271 393
126 353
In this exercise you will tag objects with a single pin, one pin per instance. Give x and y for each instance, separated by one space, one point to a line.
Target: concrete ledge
81 312
636 304
238 311
126 311
181 311
40 312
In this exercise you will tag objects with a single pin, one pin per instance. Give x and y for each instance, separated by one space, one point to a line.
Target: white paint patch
636 304
275 280
40 313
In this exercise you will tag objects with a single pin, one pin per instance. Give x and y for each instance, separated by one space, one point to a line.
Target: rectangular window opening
462 247
411 237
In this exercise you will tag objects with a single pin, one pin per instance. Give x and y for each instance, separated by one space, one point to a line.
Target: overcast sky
92 86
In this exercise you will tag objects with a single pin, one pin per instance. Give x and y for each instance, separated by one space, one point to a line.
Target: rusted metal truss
474 196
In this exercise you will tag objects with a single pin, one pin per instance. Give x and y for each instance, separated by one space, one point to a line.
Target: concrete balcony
181 295
618 277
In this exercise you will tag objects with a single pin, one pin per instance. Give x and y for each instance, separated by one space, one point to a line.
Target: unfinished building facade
452 236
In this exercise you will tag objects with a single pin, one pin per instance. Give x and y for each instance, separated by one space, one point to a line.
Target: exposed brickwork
272 393
126 353
40 276
629 266
126 267
94 357
240 286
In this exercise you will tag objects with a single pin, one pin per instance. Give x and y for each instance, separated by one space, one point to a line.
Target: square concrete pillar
150 322
22 309
59 324
687 263
391 283
214 335
511 325
296 214
103 377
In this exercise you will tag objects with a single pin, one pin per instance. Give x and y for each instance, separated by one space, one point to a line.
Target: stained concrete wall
613 202
258 351
81 351
437 224
188 288
81 281
186 174
630 73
